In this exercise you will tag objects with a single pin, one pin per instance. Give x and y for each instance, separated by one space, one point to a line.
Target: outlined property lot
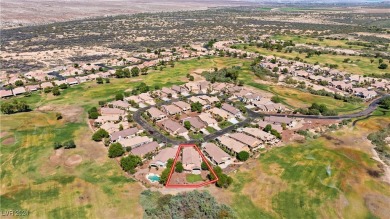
169 184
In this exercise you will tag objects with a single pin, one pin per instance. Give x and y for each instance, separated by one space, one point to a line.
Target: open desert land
15 13
230 72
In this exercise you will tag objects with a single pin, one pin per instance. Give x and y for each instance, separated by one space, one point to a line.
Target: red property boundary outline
189 186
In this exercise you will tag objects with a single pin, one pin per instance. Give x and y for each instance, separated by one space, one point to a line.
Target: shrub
93 115
99 135
166 171
64 86
187 125
276 99
119 96
19 83
196 107
179 167
57 145
243 156
382 66
14 107
385 102
115 150
192 204
267 128
223 180
56 91
276 134
204 166
99 80
130 162
69 144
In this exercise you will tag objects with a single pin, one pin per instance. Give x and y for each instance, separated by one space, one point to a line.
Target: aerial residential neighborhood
195 109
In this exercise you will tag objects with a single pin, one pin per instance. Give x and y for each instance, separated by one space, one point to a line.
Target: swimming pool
153 178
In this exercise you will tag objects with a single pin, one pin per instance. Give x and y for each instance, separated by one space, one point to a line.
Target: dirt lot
69 113
379 204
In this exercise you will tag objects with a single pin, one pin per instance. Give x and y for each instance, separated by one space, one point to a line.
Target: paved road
137 116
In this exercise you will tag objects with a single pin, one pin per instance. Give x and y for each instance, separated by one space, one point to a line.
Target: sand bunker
56 157
8 141
3 134
73 160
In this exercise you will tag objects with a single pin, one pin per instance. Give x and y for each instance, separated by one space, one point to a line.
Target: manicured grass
210 129
360 65
224 124
192 178
196 136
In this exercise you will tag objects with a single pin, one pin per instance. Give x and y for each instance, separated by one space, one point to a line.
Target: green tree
126 73
196 107
223 180
119 96
99 80
63 86
69 144
19 83
7 108
243 156
383 66
267 128
204 166
119 73
165 173
130 162
14 107
56 91
47 90
57 145
276 99
93 115
115 150
179 167
385 102
100 134
276 134
164 176
58 116
187 125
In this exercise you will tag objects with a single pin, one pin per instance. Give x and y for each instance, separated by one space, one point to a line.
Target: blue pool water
154 178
